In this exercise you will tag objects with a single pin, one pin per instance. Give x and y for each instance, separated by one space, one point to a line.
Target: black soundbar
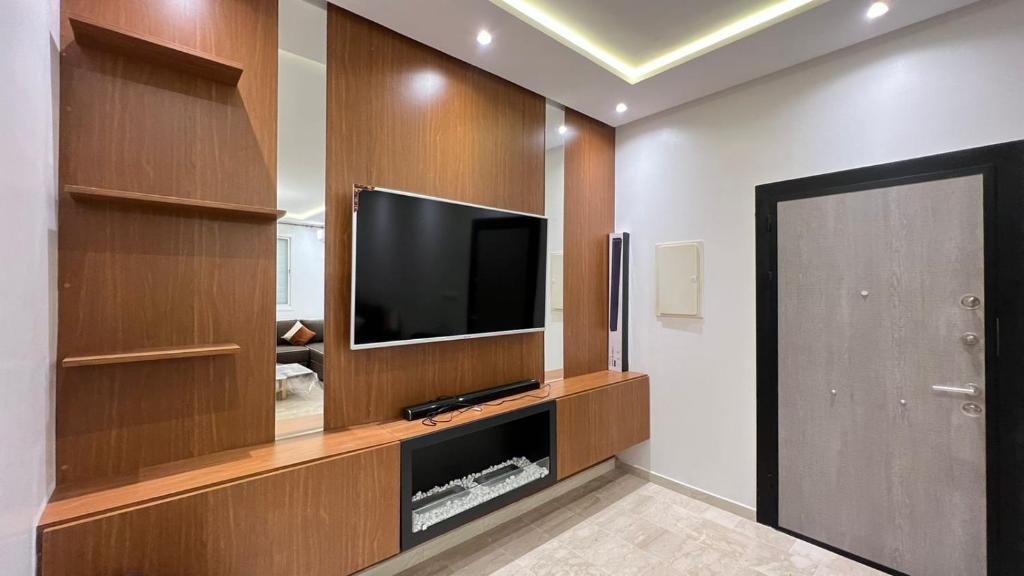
442 405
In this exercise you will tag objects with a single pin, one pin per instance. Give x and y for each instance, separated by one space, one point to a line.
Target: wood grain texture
580 385
913 475
156 201
142 277
589 219
405 116
152 355
96 34
601 423
72 503
328 518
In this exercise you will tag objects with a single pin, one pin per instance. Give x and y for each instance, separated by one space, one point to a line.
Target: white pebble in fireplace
468 493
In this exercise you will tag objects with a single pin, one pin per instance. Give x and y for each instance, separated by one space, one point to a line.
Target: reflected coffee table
287 375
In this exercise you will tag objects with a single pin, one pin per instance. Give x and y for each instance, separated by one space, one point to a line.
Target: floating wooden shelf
152 354
120 41
86 194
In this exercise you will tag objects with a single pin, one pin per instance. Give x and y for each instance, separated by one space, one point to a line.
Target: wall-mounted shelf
86 194
120 41
152 354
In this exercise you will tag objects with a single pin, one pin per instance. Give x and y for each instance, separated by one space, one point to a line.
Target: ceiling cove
629 60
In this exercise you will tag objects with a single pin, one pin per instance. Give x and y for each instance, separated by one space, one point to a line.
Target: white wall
689 173
307 273
554 209
28 60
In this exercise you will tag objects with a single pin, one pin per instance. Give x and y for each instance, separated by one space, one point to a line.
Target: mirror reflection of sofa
310 355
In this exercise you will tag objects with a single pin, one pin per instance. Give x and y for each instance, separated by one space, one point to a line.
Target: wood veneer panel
152 355
96 34
74 502
139 277
222 209
333 517
405 116
71 503
402 429
600 423
589 218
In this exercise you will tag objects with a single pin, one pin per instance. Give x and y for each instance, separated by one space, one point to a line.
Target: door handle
967 390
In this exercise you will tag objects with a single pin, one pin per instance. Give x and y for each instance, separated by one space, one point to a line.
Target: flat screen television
427 270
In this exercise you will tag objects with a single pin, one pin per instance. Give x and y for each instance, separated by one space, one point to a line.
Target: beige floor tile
586 539
621 525
808 550
719 516
841 566
765 535
558 560
524 541
636 530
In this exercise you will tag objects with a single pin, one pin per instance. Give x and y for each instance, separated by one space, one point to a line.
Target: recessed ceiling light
633 72
484 37
878 9
621 107
562 129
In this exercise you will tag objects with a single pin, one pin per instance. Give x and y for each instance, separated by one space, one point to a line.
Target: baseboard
428 550
736 508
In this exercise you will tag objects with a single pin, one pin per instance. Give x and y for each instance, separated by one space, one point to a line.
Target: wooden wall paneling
405 116
132 278
332 517
589 218
596 425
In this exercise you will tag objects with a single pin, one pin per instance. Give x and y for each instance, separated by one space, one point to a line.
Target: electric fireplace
454 476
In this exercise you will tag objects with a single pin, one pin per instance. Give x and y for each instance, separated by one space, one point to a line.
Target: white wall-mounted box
680 280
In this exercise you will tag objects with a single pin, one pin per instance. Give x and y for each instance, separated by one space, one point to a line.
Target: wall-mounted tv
427 270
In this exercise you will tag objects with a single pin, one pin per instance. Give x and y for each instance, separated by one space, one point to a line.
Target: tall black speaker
618 301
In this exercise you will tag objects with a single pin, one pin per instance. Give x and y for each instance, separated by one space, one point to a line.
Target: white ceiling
636 29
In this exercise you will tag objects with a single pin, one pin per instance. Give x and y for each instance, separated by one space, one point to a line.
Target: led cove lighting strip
633 74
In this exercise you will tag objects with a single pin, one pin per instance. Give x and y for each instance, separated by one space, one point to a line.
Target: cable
432 420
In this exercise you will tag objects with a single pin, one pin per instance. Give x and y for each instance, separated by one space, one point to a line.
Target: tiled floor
621 525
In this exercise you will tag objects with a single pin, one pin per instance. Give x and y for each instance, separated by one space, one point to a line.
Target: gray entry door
881 450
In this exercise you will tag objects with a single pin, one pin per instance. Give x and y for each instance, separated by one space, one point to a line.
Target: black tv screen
426 269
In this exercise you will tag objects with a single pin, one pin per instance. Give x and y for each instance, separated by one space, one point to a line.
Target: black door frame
1003 168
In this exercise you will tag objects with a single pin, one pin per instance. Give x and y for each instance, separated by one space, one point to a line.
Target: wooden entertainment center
165 455
267 509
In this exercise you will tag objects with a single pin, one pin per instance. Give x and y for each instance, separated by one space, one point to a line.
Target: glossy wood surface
77 502
589 218
404 116
152 355
323 519
156 201
96 34
132 277
598 425
402 429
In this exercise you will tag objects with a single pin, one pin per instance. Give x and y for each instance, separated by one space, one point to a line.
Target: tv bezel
356 190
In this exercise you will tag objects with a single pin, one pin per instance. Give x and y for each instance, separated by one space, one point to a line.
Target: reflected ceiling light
878 9
307 214
563 129
621 107
484 38
601 55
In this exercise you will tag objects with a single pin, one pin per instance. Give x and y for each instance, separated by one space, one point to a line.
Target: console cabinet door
331 517
596 425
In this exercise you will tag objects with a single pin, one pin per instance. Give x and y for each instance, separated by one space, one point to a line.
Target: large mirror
554 207
301 184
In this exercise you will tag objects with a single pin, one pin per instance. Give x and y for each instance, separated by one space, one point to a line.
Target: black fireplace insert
455 476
